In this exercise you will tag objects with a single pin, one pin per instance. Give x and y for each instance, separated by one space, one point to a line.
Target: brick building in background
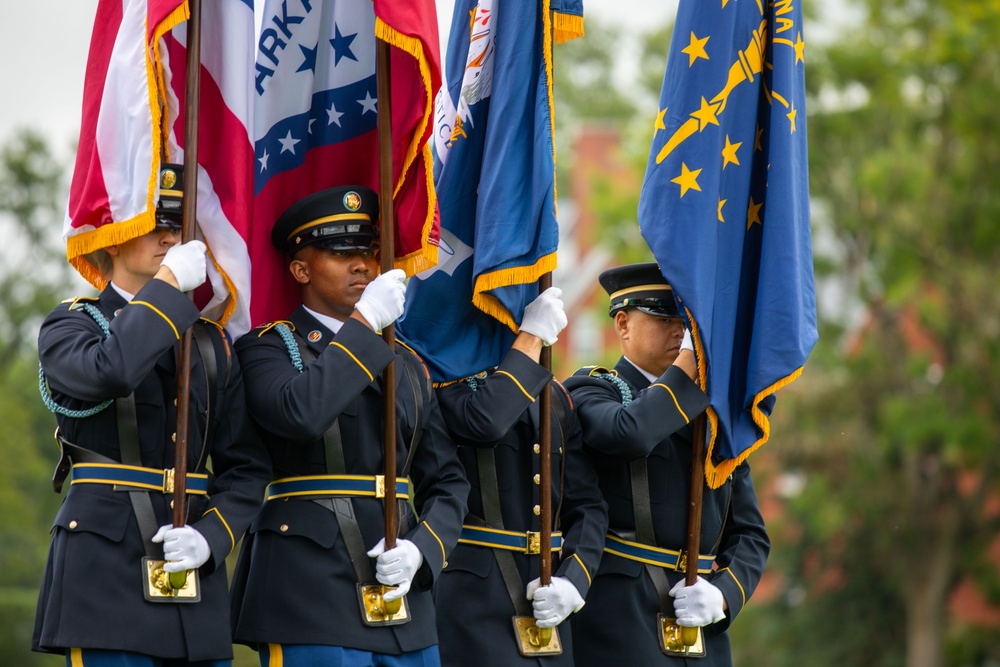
588 339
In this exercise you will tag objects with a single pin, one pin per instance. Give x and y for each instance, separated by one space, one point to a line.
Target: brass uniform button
537 448
537 510
173 438
537 479
73 524
284 528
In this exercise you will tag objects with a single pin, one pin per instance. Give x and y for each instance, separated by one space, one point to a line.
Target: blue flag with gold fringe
494 171
725 209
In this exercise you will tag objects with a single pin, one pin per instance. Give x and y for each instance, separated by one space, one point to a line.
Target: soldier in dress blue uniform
635 421
109 369
493 573
315 390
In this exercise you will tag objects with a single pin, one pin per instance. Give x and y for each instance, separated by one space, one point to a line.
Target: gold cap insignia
168 178
352 201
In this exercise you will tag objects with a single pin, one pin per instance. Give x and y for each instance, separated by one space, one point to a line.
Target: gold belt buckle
380 486
168 480
533 543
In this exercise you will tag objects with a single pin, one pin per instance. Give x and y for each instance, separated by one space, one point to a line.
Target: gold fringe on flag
427 255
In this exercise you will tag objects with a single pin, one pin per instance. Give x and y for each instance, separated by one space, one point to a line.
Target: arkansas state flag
114 187
495 178
725 210
315 124
134 113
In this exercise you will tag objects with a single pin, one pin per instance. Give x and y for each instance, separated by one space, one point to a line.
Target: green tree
35 274
895 427
33 278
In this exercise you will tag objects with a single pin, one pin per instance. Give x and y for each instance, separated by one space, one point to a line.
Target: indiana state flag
725 209
495 176
315 123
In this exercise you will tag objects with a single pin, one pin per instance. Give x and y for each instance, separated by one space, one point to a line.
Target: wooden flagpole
387 231
188 225
690 635
545 458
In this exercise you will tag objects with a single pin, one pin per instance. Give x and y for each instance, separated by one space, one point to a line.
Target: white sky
44 56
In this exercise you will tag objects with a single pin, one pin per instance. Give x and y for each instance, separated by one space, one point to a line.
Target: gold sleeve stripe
444 555
228 529
158 312
519 386
356 360
76 657
738 584
275 658
678 405
584 567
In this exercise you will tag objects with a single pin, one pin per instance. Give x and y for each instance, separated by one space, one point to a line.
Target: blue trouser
87 657
314 655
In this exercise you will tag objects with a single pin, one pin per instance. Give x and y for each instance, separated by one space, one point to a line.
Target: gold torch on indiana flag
725 209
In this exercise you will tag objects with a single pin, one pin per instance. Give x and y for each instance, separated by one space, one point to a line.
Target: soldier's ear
621 323
299 271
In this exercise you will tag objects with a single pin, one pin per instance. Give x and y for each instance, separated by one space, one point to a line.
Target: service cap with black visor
341 218
640 286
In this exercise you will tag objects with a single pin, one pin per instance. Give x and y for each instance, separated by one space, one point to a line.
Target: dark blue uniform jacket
295 583
92 592
474 607
617 626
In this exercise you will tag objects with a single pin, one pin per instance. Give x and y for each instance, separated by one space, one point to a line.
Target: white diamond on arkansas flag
316 112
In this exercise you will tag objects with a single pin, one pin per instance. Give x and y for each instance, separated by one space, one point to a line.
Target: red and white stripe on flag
114 185
225 152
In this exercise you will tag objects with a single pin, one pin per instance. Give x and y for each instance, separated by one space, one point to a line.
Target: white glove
185 548
397 566
188 263
697 605
545 317
687 343
382 301
553 603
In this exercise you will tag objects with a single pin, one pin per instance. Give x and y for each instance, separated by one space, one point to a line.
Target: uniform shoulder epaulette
79 300
595 371
262 329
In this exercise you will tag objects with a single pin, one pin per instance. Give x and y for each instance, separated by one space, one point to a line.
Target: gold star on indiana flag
753 213
687 180
696 49
659 125
800 49
729 153
705 115
722 202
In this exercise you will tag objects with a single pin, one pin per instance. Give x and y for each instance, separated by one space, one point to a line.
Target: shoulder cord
293 347
43 385
622 387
